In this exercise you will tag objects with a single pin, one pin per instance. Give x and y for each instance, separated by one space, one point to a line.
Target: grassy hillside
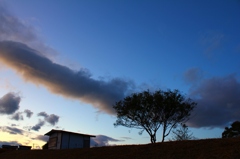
197 149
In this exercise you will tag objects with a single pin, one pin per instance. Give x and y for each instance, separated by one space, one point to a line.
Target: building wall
59 135
55 141
70 141
75 141
86 142
63 140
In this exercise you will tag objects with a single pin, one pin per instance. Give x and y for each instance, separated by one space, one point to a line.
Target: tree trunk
163 135
153 138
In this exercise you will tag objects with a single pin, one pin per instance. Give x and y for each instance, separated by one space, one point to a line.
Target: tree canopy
148 111
233 131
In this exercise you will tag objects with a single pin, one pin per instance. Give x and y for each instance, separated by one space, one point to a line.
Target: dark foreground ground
197 149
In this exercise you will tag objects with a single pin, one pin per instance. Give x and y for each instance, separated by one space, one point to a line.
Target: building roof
53 131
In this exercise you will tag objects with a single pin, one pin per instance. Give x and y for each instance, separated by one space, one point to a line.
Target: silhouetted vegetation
182 133
233 131
148 111
45 146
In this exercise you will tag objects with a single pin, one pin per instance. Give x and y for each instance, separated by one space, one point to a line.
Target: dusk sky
63 64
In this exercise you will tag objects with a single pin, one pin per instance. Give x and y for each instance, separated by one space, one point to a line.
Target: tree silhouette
182 133
148 111
233 131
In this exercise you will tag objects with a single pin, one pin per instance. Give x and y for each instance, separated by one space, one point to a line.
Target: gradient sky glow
64 63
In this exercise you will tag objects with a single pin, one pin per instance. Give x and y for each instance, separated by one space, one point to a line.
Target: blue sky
64 63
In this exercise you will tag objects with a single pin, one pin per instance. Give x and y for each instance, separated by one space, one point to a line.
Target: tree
148 111
182 133
45 146
233 131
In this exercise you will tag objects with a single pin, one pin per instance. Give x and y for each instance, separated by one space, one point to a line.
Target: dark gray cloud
58 79
38 126
28 113
218 102
12 143
41 138
62 80
44 114
102 140
9 103
51 119
11 130
17 116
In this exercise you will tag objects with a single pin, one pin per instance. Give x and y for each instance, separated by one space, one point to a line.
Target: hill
197 149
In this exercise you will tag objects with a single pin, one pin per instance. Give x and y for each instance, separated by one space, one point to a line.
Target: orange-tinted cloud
38 69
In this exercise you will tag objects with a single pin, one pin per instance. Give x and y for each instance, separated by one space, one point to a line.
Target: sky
63 64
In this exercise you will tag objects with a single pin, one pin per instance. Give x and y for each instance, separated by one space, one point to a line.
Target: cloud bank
218 101
23 50
12 143
11 130
59 79
102 140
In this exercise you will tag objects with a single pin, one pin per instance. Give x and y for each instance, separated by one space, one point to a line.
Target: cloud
193 75
12 143
15 29
17 116
38 126
59 79
127 138
9 103
42 138
11 28
12 130
52 118
35 67
218 102
28 113
102 140
44 114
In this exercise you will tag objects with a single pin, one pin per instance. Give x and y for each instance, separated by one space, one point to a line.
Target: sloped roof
54 131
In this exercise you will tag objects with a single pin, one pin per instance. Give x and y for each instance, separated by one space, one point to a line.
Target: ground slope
197 149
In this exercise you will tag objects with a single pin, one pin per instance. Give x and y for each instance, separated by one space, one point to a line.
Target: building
20 147
59 139
9 147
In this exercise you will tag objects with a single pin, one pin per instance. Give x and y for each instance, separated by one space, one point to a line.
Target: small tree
182 133
148 111
233 131
45 146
